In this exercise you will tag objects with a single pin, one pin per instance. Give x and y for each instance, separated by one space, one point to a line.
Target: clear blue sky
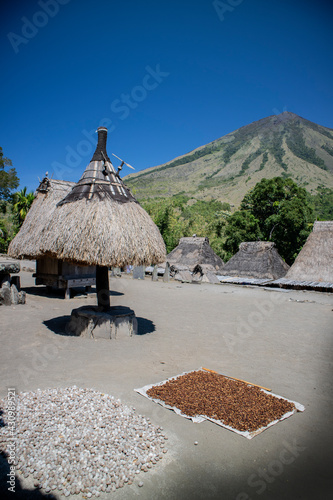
165 76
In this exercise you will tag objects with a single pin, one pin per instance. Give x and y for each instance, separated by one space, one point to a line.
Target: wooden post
102 287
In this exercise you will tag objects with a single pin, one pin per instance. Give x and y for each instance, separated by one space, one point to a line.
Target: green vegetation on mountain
283 145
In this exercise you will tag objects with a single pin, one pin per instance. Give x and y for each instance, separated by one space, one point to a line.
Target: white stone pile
81 441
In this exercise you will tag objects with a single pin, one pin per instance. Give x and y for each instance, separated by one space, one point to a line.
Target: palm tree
22 204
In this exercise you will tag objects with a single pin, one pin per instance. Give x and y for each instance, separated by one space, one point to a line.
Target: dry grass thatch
104 234
256 259
95 222
315 260
26 244
192 251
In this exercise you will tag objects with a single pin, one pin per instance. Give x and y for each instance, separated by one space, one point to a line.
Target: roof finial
101 145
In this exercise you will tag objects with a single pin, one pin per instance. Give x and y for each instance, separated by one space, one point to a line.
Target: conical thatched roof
315 260
99 222
192 251
256 259
27 243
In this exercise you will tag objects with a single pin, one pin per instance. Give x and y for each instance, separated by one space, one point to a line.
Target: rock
155 275
28 269
5 279
139 273
5 296
14 295
22 297
16 281
184 276
9 267
116 272
166 275
210 277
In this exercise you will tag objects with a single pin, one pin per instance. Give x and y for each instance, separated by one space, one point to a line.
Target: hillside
227 168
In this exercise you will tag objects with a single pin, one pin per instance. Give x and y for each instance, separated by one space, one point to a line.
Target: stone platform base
89 322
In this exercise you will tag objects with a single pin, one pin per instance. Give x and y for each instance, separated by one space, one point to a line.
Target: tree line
276 210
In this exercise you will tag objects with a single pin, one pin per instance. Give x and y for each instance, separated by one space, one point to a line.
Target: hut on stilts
313 267
50 271
100 223
256 259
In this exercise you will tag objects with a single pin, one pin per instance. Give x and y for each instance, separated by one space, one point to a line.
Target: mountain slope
227 168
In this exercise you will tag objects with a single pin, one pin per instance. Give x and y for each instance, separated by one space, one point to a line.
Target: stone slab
139 273
90 322
184 276
210 277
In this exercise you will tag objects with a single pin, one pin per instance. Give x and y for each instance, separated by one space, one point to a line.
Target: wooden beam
102 287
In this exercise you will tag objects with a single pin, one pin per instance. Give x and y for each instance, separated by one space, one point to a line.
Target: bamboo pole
238 379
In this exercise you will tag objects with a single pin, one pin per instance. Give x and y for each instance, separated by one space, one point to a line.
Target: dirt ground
278 339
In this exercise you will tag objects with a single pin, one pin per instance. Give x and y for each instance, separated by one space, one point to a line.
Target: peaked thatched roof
98 222
192 251
315 260
27 243
256 259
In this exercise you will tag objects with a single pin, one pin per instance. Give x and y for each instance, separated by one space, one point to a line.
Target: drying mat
236 405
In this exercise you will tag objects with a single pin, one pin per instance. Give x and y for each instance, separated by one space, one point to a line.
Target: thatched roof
315 260
26 244
99 222
256 259
192 251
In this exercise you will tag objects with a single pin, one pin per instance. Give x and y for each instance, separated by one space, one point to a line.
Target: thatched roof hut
256 259
194 251
315 260
27 243
100 222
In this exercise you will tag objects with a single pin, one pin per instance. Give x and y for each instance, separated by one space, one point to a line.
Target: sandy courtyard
277 339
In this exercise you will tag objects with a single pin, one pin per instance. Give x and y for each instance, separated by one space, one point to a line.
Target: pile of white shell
79 440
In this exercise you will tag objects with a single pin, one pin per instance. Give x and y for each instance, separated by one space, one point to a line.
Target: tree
242 226
8 179
283 214
22 204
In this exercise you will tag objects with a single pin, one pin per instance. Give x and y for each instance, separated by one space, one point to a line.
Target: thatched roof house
194 251
27 243
97 223
315 260
100 222
94 222
256 259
